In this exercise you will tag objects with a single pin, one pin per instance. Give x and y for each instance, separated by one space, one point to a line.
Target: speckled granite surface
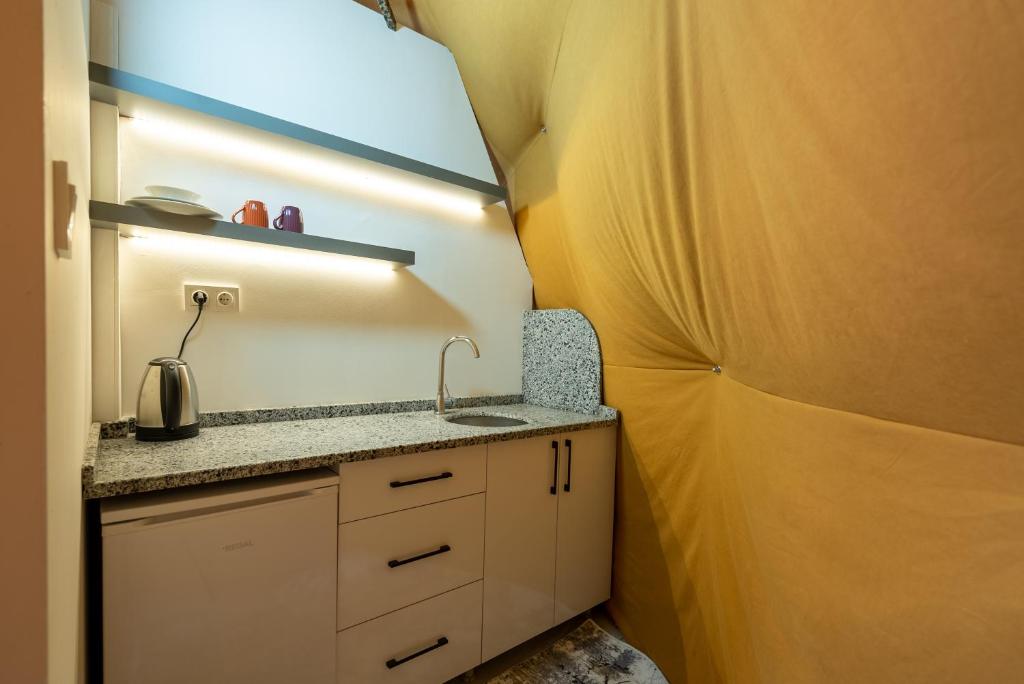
124 465
92 445
561 360
126 426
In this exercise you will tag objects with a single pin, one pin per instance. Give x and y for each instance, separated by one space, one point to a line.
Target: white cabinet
432 563
519 542
229 583
586 511
410 561
548 533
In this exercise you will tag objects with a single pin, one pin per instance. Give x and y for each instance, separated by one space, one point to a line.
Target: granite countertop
125 466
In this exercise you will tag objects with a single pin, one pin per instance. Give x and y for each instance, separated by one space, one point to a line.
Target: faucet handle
448 401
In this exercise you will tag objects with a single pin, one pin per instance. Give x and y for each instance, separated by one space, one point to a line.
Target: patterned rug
587 655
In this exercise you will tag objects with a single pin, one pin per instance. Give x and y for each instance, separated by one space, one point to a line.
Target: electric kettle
168 406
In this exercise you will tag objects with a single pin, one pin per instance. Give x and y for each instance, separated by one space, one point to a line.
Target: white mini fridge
217 584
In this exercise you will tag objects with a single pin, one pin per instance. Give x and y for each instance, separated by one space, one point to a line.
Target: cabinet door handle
444 548
554 477
393 663
568 473
405 483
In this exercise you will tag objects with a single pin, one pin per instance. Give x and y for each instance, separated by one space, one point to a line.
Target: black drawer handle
405 483
568 474
554 477
444 548
392 664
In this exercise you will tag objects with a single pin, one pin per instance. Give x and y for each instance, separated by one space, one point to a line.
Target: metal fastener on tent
717 370
543 129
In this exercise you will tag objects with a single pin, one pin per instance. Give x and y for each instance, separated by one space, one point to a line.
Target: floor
495 666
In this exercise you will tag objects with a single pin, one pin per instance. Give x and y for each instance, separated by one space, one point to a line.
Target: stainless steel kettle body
168 406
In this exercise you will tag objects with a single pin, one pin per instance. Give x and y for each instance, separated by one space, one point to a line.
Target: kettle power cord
200 298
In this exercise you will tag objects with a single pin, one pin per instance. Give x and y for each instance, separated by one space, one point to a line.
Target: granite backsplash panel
561 361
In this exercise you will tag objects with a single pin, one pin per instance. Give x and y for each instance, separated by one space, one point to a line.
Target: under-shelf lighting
356 178
251 254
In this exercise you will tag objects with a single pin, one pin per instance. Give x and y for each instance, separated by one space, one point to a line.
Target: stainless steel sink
484 420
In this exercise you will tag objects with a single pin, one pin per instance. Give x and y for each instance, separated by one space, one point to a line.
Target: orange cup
254 213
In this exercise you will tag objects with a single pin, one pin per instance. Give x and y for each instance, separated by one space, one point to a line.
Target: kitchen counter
125 466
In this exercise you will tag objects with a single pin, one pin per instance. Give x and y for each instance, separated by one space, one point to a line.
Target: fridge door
243 592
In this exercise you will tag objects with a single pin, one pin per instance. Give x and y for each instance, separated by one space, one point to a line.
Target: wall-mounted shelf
108 215
123 89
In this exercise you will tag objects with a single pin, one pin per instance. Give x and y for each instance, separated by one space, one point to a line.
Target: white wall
312 330
328 64
68 391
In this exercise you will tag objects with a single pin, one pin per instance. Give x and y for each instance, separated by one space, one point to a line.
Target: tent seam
547 97
823 407
554 66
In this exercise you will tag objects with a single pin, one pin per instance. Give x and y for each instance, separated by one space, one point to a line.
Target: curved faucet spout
440 370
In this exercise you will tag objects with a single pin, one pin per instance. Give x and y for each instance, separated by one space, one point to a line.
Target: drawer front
391 561
448 625
384 485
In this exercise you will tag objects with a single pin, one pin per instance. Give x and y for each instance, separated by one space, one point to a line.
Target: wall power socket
219 298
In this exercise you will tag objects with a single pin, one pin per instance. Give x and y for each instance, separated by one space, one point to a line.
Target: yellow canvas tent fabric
826 200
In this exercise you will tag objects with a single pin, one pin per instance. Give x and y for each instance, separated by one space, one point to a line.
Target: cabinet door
519 543
233 596
586 507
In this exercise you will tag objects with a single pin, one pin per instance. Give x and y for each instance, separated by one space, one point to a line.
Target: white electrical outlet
218 297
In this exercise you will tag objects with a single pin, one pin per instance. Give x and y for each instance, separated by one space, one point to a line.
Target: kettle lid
167 359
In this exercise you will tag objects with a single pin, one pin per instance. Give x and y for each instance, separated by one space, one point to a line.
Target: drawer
390 561
384 485
448 625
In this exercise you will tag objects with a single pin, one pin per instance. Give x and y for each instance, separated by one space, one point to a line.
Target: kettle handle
170 395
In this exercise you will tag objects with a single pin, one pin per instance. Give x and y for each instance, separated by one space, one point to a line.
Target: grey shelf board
117 87
109 215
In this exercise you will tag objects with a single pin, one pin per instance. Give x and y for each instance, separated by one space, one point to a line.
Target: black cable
187 332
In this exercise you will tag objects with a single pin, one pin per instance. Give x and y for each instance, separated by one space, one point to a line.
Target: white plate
173 207
165 199
172 193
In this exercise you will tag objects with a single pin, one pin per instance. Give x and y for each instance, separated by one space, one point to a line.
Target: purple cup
290 219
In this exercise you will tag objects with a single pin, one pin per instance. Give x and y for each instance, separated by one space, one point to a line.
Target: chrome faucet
440 370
